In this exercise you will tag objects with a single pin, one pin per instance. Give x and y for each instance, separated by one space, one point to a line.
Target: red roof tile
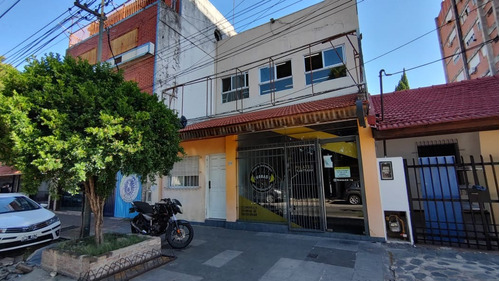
460 101
307 107
8 171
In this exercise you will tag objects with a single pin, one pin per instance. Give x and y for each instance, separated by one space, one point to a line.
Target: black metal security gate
454 202
281 184
304 182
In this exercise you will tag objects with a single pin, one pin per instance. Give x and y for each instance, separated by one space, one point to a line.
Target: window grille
186 173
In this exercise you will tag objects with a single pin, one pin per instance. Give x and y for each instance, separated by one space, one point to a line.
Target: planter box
92 267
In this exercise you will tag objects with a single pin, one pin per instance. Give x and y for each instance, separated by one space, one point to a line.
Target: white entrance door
216 186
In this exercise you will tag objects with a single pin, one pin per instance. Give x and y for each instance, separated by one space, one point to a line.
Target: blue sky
385 25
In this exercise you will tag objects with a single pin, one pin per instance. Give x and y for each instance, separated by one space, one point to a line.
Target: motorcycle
159 219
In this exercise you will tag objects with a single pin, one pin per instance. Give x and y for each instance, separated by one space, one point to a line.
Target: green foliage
64 121
403 83
5 145
87 246
337 72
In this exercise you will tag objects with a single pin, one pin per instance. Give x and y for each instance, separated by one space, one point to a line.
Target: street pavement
218 253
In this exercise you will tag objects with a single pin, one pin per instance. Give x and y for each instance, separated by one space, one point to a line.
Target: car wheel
354 199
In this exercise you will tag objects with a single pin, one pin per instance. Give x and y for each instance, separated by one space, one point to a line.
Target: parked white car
23 222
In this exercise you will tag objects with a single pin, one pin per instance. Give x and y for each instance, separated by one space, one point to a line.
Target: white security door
216 186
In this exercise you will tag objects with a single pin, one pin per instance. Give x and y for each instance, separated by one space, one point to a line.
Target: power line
35 33
31 48
265 37
1 16
425 64
478 46
290 28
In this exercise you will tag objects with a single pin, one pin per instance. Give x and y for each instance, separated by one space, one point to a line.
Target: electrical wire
31 48
13 48
238 49
194 44
412 68
478 46
1 16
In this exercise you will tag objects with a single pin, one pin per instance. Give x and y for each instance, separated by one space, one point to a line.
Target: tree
3 70
403 83
4 140
69 122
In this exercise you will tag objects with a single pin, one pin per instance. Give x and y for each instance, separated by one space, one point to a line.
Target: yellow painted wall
231 180
194 199
370 177
488 141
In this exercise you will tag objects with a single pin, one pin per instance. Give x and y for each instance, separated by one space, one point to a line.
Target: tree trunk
97 206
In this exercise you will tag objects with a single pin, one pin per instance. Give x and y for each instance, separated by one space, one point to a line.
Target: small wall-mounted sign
386 172
342 172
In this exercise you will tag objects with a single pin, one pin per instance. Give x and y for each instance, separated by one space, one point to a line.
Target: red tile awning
320 111
6 171
470 105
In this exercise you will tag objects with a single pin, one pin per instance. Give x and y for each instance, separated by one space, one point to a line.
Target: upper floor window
473 63
490 11
448 16
470 37
319 66
451 38
276 78
465 14
170 98
456 56
235 87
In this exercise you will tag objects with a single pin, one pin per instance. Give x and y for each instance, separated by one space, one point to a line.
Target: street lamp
382 103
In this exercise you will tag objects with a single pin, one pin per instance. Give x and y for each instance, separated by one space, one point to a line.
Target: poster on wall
128 189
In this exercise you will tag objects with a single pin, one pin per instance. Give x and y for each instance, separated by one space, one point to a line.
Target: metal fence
454 202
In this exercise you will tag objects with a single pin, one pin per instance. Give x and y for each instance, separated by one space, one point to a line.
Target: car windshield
17 204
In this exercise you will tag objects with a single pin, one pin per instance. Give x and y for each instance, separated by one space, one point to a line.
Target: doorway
343 194
216 186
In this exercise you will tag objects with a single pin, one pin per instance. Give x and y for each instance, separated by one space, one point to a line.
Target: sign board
342 172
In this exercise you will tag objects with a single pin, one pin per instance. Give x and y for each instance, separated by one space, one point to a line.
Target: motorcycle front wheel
179 237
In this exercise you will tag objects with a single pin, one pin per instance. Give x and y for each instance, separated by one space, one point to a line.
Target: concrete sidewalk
224 254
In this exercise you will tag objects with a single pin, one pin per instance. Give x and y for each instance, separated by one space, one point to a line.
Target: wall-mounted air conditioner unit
145 49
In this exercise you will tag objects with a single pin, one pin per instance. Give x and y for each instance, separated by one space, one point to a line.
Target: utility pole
460 39
102 17
85 229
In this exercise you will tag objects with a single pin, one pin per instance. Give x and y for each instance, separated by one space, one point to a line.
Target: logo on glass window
129 188
262 177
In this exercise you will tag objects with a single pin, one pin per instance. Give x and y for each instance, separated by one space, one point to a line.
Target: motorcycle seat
143 207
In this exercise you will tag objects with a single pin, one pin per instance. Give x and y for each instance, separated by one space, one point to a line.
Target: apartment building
468 38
